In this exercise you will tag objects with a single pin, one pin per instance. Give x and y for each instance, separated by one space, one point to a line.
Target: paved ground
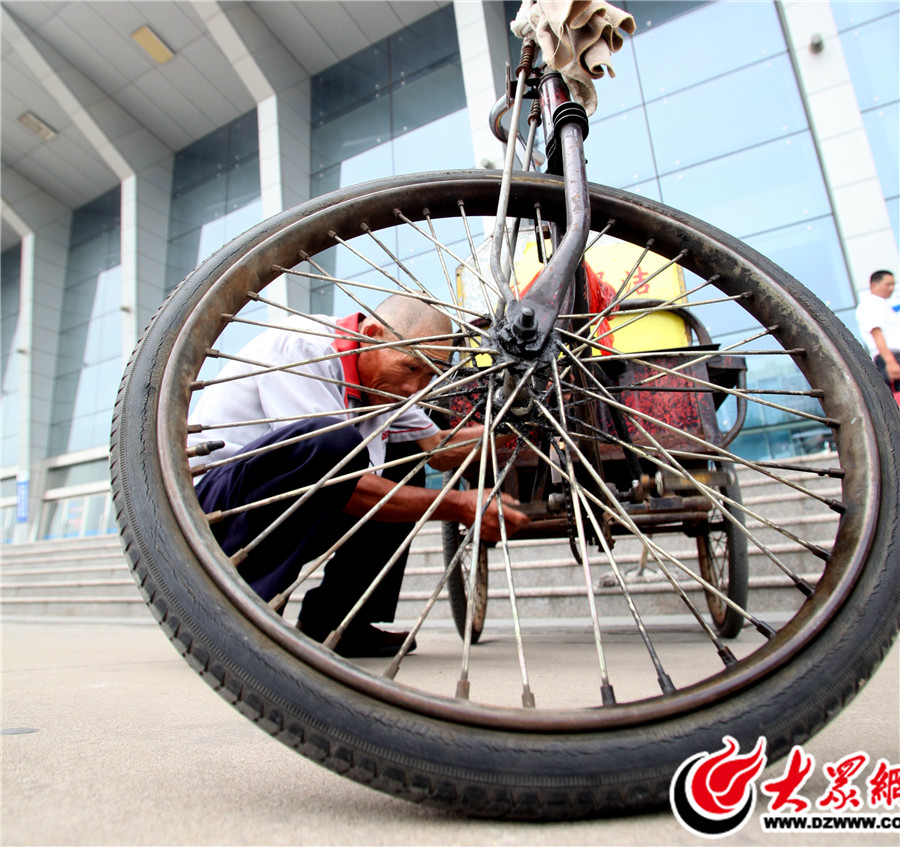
130 747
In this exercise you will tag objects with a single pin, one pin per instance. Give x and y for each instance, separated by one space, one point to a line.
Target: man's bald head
412 318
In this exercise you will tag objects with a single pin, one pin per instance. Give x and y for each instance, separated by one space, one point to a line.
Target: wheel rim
842 403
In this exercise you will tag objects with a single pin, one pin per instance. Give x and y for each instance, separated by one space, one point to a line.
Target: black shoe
365 642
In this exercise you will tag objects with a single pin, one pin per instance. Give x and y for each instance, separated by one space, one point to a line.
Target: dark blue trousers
313 528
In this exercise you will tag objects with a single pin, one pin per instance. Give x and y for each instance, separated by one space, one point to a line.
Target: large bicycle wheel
527 731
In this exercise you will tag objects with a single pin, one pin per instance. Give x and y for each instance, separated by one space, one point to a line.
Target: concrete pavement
130 747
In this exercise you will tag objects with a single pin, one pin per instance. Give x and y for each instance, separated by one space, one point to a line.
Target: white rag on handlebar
577 38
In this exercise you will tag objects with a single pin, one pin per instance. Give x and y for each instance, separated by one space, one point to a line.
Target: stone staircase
89 579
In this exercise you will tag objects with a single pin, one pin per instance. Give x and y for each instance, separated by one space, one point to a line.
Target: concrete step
90 577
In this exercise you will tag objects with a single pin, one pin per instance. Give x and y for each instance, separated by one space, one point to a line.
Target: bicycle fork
528 321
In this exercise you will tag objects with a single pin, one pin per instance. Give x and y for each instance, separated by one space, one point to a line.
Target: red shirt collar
342 343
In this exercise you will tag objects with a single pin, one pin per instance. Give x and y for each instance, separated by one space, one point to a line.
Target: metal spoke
719 499
462 684
621 515
242 554
527 695
606 690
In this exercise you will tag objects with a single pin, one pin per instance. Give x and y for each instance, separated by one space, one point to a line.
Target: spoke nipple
665 683
527 698
805 587
765 629
462 689
727 656
607 694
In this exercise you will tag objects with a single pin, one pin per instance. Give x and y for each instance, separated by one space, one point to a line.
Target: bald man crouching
287 387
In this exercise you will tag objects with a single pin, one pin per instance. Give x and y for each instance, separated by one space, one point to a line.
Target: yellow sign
612 263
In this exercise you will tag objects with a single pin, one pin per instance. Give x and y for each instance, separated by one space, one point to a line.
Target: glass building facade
716 126
396 107
10 271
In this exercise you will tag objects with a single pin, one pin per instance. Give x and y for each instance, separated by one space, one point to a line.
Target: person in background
879 324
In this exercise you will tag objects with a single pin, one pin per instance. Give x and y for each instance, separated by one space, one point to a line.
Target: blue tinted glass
894 212
353 80
649 189
811 252
650 13
444 143
715 39
618 150
351 133
883 129
616 94
424 43
731 112
425 98
872 57
767 187
849 13
371 164
10 269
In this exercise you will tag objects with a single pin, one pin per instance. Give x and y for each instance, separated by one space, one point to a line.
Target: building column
483 33
145 232
837 126
284 138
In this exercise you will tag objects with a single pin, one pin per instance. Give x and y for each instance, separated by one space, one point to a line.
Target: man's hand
490 521
893 368
408 503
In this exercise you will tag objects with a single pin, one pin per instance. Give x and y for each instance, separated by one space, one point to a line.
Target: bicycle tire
724 562
458 585
467 757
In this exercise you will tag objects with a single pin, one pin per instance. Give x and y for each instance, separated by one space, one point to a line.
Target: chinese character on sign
784 789
842 793
884 785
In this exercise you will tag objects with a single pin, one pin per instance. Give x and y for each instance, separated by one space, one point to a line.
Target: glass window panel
241 219
181 257
94 514
243 139
243 183
616 94
766 187
883 130
648 189
324 181
201 160
849 13
202 203
354 79
91 220
8 519
811 252
894 212
618 150
374 162
351 133
729 113
872 57
423 43
712 40
422 99
444 143
650 13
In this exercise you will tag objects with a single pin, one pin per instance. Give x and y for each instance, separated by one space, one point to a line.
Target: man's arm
409 503
460 445
890 361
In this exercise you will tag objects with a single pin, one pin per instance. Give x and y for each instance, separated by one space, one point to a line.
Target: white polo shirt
874 311
319 381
